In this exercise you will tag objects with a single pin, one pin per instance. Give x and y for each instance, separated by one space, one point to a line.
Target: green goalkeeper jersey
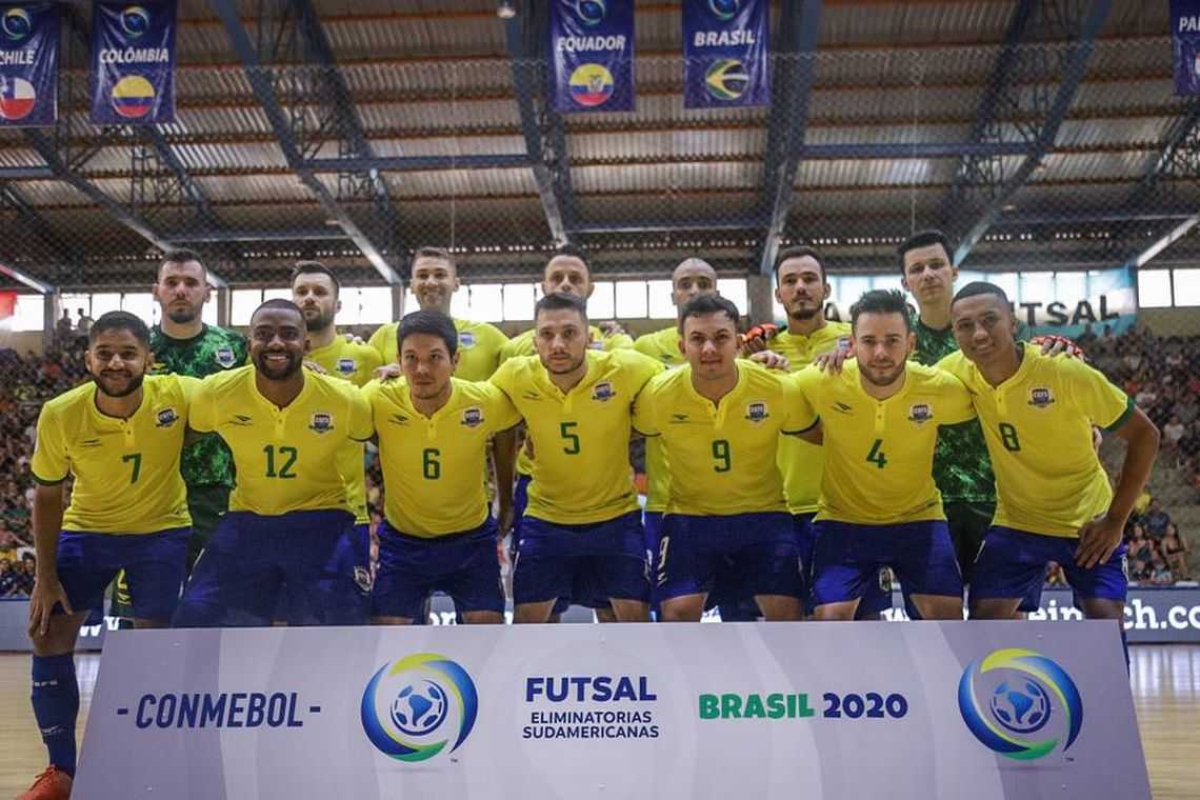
208 462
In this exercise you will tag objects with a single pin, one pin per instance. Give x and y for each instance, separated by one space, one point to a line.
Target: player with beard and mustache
879 506
289 534
120 437
183 344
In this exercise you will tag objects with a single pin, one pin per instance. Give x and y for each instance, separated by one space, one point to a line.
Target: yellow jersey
802 462
282 456
879 453
479 346
523 345
729 448
435 468
1038 429
581 438
127 478
664 346
355 363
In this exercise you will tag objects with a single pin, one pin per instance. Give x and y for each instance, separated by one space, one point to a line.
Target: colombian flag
17 98
591 84
133 97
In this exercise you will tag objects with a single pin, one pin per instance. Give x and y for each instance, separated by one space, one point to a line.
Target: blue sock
55 699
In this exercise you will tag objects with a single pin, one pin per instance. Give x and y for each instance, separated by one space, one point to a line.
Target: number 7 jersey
285 458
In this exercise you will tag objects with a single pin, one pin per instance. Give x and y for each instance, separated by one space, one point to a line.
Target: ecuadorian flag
591 84
133 97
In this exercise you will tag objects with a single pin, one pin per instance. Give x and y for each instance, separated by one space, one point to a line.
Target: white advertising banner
989 711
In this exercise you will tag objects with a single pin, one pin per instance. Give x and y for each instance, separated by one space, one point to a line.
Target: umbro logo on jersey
242 419
757 412
603 392
322 422
398 419
920 413
529 395
472 416
90 443
1040 397
165 418
225 357
679 418
347 366
842 407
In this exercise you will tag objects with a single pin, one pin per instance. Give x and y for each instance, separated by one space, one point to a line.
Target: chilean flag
17 98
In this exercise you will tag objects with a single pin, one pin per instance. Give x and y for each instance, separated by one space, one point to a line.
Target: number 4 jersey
285 457
879 453
127 478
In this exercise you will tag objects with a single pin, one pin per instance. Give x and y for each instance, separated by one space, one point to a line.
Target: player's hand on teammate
47 593
756 339
1098 540
610 327
352 339
834 359
315 367
1059 345
771 360
387 372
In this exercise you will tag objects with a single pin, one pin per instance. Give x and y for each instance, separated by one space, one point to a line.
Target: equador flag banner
591 55
1185 33
133 63
725 45
28 65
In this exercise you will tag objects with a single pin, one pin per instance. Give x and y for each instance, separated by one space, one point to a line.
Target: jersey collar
300 398
455 392
106 419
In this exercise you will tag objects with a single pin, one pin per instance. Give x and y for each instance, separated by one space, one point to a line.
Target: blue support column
787 123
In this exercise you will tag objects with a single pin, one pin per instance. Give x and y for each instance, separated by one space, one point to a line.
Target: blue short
581 562
742 555
875 600
462 565
295 607
1011 562
847 558
312 564
155 566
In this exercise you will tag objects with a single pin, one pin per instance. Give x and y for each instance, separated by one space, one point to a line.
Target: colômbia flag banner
28 64
591 55
133 63
725 53
1185 36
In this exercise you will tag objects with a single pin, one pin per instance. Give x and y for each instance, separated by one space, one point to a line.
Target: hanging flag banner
725 45
1185 31
133 63
28 65
591 55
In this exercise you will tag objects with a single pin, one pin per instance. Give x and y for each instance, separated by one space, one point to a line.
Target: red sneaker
53 784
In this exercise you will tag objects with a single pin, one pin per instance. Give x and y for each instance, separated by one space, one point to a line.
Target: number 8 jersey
285 459
127 478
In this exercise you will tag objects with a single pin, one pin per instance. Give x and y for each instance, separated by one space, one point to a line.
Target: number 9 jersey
285 458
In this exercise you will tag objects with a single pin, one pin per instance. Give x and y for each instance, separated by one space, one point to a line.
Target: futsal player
183 344
438 533
567 272
582 527
434 282
879 507
1055 501
120 437
315 291
719 420
289 530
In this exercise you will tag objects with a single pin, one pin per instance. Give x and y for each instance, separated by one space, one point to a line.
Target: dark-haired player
120 437
439 534
289 532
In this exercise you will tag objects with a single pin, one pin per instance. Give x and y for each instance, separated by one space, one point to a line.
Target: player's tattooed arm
1100 537
48 505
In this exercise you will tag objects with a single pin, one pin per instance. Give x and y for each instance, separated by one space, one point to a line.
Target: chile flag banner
28 65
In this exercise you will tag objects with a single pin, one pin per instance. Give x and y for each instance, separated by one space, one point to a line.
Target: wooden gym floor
1165 681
